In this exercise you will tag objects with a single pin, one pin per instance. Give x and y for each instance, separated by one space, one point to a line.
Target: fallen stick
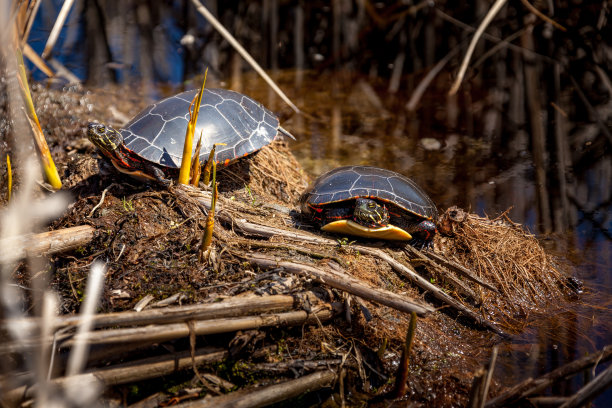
460 269
401 376
591 390
230 307
446 277
294 365
160 333
133 371
343 282
532 387
239 306
404 270
265 396
45 243
434 290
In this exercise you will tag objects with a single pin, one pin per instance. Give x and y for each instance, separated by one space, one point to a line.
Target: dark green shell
351 182
157 133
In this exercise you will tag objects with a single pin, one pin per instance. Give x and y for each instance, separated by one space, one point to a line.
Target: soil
149 236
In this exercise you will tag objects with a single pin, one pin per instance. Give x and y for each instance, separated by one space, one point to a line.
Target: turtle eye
101 128
371 205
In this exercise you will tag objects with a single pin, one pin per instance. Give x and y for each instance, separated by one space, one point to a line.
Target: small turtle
373 203
150 146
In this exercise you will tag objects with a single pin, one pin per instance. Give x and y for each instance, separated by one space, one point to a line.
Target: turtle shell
157 133
351 182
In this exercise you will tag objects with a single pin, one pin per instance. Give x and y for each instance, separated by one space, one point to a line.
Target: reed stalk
194 110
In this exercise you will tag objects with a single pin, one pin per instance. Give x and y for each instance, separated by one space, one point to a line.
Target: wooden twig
598 385
240 49
45 243
481 382
546 401
495 8
455 267
488 377
538 133
532 387
230 307
59 23
420 89
541 15
447 277
160 333
424 284
269 395
299 249
402 371
219 310
300 365
35 59
25 19
476 390
343 282
133 371
404 270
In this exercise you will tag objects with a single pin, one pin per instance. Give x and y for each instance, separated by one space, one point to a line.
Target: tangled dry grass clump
506 255
276 173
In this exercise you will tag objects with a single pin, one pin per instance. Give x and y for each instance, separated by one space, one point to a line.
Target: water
362 124
477 149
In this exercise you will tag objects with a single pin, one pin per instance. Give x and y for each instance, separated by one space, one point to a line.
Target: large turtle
371 202
150 146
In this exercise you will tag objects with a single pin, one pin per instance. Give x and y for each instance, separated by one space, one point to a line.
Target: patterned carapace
243 124
151 144
335 193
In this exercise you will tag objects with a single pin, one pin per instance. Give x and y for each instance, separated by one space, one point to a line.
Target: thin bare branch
45 243
57 27
541 15
344 282
244 53
531 386
269 395
468 54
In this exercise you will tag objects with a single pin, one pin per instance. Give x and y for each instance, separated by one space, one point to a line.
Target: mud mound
481 278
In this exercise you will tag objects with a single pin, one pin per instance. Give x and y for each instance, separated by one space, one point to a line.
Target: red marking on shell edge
226 162
317 209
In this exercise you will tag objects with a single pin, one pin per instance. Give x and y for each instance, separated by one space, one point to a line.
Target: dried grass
272 174
276 172
506 255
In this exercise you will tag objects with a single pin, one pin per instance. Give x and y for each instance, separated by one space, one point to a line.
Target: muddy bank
149 236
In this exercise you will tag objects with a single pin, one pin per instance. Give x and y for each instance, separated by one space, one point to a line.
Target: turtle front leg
159 175
423 234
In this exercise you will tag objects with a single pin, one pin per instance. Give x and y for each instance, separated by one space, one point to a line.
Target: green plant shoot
210 219
39 138
9 175
188 146
196 170
209 163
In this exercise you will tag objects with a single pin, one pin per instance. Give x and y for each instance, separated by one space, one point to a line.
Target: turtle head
369 213
105 137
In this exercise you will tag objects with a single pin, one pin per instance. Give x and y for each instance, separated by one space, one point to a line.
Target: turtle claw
422 244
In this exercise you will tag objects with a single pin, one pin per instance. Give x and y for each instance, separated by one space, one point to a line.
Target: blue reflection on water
71 48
